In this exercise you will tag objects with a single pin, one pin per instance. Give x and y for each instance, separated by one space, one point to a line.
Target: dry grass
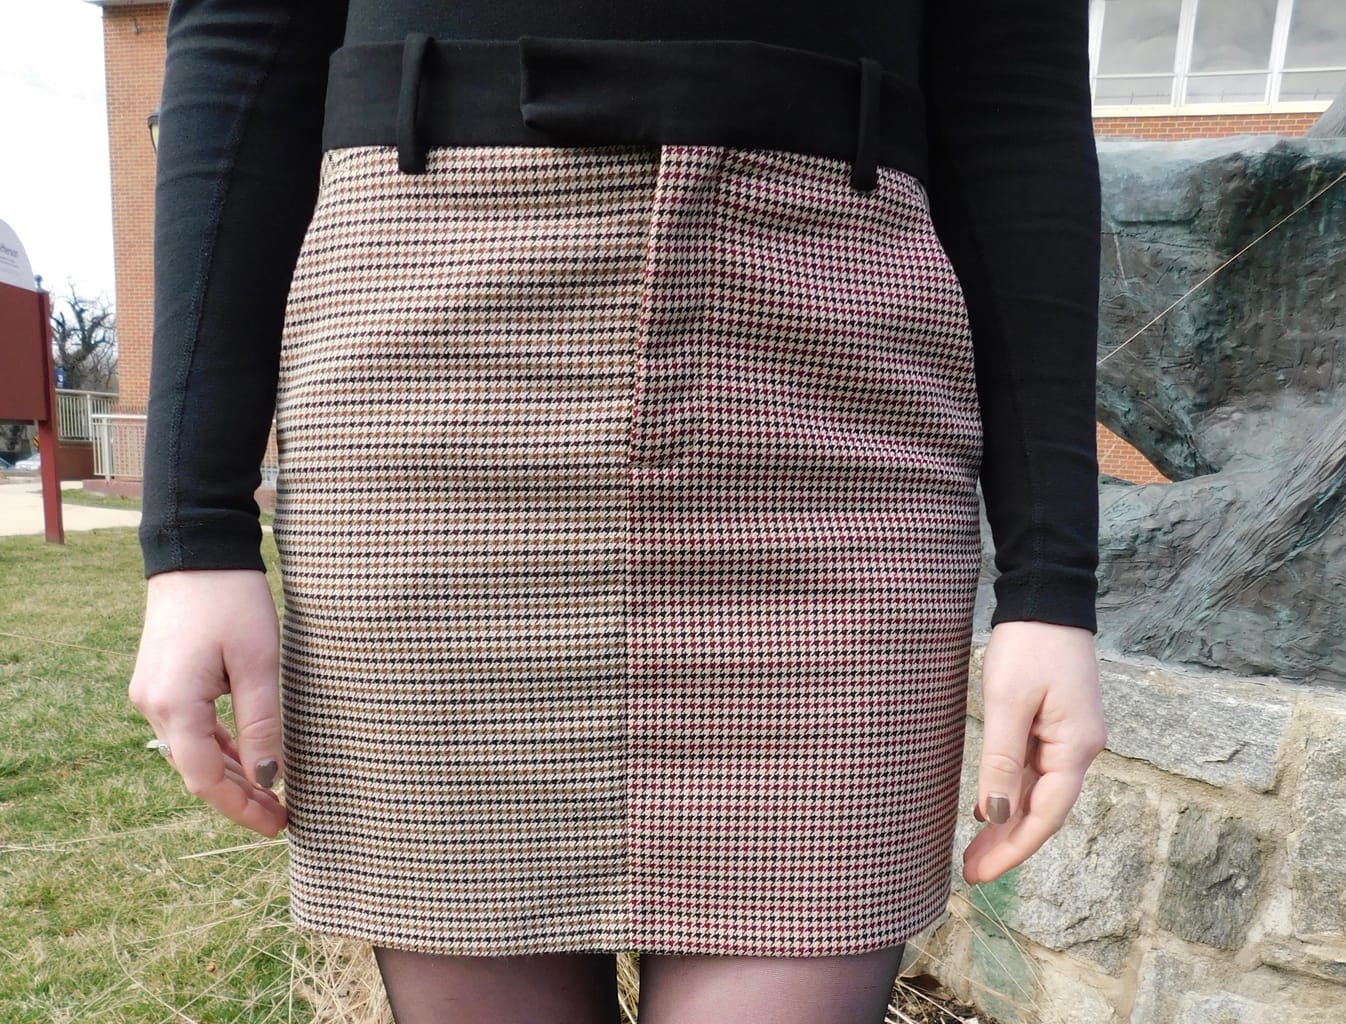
341 983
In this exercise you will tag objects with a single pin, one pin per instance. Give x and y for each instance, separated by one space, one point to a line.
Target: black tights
581 988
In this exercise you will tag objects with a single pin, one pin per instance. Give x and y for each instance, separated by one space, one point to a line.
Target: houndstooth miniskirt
628 525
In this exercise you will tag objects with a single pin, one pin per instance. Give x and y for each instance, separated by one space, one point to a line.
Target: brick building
1162 69
133 64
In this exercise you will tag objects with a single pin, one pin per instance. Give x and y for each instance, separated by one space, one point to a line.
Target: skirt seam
627 925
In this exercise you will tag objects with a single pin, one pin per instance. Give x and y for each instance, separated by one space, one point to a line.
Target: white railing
119 448
75 411
118 445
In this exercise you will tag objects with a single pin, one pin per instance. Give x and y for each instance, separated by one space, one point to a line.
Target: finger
1004 754
268 801
216 779
225 740
243 802
992 835
233 770
253 667
190 734
998 848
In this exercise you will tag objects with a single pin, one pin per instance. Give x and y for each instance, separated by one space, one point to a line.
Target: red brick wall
1119 459
133 49
1204 125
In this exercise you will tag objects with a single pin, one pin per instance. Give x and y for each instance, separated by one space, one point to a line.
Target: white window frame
1182 72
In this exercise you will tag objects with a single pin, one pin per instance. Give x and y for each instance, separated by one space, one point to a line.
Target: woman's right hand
210 632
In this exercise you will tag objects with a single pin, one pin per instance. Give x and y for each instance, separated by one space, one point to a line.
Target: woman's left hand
1043 722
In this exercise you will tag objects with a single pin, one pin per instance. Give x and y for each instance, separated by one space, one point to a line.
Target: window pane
1312 85
1317 35
1138 36
1233 35
1227 89
1133 91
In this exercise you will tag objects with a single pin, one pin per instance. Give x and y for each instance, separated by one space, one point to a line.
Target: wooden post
48 434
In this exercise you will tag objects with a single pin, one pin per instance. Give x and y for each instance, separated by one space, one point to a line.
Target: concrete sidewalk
21 510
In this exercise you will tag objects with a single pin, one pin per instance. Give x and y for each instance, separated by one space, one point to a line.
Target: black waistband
538 91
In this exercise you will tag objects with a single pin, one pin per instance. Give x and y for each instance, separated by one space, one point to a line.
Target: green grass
105 914
73 496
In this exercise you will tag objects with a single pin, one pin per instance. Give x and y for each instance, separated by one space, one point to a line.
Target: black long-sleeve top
1014 193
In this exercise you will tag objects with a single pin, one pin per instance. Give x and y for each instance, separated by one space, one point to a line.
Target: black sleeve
1014 190
240 148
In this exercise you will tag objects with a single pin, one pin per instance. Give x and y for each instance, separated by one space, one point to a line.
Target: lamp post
153 122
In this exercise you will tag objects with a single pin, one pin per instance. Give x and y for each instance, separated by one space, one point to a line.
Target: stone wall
1199 879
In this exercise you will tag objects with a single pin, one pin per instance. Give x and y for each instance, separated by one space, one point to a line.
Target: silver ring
159 745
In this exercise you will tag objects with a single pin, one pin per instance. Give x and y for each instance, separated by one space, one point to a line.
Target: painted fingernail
997 808
976 813
266 772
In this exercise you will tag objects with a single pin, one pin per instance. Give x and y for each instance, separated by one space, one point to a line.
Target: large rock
1237 393
967 826
1244 569
1001 973
1168 993
1318 840
1250 361
1332 124
1211 885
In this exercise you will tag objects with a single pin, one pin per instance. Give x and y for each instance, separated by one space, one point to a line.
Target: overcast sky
54 186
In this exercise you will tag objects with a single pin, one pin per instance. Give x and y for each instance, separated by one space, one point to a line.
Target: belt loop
864 171
410 150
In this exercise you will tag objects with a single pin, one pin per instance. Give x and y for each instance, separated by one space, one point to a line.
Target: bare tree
13 437
84 342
